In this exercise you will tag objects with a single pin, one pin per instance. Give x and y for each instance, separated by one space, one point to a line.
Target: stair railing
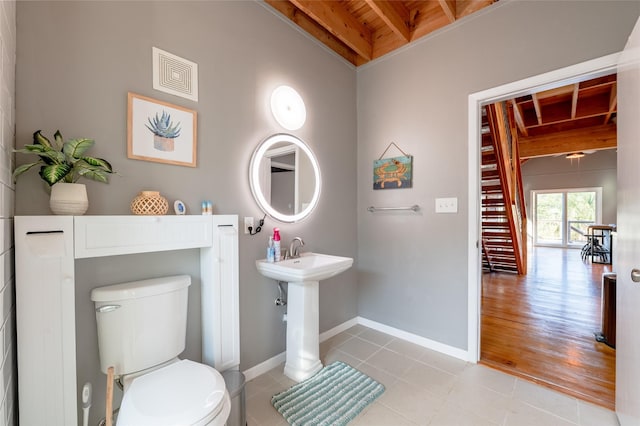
508 165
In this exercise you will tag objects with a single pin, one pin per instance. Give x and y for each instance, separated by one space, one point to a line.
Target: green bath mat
334 396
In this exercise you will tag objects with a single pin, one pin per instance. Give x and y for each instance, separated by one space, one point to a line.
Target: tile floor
424 387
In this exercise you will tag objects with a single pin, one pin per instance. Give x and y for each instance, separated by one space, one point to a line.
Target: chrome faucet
294 251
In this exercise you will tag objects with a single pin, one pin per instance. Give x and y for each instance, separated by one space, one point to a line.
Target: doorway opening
571 75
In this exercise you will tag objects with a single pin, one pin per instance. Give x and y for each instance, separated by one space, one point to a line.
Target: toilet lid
182 393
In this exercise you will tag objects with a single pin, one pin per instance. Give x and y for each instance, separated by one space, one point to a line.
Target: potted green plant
164 131
62 163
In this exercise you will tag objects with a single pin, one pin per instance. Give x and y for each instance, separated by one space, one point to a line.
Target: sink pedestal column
303 338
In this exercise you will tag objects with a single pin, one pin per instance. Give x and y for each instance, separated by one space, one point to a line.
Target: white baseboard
265 366
414 338
338 329
272 363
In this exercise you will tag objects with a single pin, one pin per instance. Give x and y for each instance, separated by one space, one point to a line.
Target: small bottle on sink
276 244
270 251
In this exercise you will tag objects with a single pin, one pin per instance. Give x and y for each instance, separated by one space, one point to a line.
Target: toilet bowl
181 393
141 332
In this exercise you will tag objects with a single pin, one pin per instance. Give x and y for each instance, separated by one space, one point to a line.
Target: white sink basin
307 267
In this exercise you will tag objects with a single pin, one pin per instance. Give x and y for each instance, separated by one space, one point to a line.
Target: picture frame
161 132
393 173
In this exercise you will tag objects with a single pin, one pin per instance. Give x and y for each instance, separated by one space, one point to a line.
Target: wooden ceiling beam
339 22
394 15
536 107
588 139
467 7
574 100
313 28
613 103
560 113
517 113
449 9
558 91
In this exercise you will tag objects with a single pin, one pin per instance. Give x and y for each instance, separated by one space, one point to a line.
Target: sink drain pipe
282 297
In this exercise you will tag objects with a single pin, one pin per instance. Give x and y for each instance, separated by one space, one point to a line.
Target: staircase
503 213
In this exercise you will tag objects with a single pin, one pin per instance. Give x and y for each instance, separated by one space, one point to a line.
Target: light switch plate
447 205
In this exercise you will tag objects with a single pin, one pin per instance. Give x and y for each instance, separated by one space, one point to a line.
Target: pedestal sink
303 275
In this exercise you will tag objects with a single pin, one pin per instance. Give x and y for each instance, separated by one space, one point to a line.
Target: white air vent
175 75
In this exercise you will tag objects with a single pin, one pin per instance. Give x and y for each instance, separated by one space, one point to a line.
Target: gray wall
412 268
593 170
77 61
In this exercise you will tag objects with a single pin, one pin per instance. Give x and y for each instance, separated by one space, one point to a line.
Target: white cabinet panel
44 321
220 297
97 236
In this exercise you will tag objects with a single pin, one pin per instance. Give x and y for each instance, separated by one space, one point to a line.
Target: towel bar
373 209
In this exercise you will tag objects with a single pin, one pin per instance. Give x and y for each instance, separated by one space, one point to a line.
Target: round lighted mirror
285 178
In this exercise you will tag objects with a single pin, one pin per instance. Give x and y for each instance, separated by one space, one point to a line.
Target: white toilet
141 331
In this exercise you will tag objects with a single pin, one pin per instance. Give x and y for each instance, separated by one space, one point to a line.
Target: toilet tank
141 324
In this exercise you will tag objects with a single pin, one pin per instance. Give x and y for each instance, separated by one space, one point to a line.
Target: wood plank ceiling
574 118
580 117
363 30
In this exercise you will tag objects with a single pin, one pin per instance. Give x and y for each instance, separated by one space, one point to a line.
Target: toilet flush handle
107 308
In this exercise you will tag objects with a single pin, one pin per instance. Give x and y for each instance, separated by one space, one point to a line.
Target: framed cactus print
161 132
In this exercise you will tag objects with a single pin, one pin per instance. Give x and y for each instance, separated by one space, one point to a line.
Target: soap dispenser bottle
276 244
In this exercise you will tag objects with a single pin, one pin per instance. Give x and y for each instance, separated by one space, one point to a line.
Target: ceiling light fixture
574 155
288 108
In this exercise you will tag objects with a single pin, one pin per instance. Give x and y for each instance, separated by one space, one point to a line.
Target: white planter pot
69 199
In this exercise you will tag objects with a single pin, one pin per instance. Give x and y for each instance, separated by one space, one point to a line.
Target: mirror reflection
285 178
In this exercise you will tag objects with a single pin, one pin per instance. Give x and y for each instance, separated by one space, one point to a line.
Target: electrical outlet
447 205
248 222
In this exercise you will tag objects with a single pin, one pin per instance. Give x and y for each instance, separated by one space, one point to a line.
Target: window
561 217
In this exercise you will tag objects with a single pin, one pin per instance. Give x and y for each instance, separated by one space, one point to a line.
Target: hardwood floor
541 325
